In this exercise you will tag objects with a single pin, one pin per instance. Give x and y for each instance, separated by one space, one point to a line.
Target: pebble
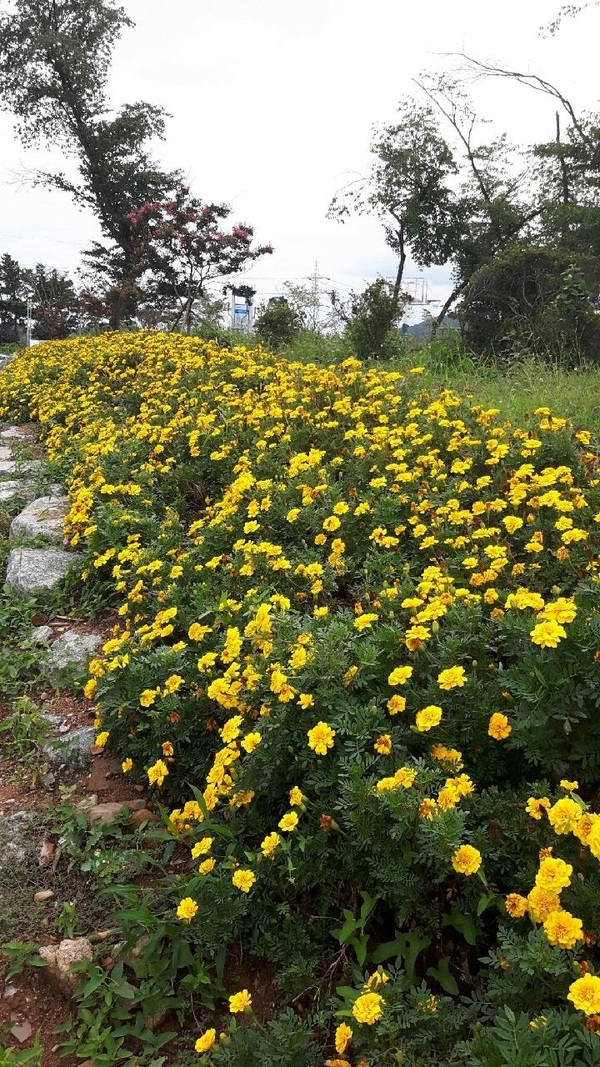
44 895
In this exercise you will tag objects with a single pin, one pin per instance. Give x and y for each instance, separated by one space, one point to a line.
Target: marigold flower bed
358 658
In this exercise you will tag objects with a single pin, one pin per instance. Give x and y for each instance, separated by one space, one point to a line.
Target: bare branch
532 81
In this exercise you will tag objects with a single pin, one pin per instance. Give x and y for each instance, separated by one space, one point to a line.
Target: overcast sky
272 104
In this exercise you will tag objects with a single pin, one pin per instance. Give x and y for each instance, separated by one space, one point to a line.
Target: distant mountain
421 330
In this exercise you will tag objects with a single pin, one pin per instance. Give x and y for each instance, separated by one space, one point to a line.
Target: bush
278 322
357 657
373 314
534 300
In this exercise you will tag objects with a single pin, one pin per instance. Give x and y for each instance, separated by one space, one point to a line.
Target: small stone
41 635
142 816
106 813
22 1031
60 958
49 782
9 991
72 750
69 656
44 895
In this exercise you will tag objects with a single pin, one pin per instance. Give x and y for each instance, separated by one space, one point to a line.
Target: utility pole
29 313
316 304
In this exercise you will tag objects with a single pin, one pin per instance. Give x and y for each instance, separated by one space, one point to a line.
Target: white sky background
272 104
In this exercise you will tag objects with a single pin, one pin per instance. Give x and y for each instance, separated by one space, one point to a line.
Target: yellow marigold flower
368 1008
349 675
584 994
564 815
251 741
292 514
239 1002
89 689
400 675
427 808
570 787
563 929
148 697
516 905
563 610
396 704
197 632
364 622
270 843
383 745
101 739
320 738
331 523
167 748
536 808
186 909
466 860
205 1041
541 902
547 634
207 866
554 874
296 797
499 727
127 765
451 678
343 1037
512 523
428 717
321 613
587 830
173 683
288 822
231 729
202 847
305 700
157 773
244 880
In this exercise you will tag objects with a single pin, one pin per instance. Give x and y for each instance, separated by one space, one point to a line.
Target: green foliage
278 323
372 316
534 300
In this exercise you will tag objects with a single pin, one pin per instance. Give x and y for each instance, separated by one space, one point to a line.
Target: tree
278 322
13 302
180 246
370 316
408 189
54 62
55 306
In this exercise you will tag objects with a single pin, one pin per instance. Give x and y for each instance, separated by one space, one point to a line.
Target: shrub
534 300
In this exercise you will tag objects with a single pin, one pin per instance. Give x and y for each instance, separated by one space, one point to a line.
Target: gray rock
30 569
10 466
69 655
20 432
60 958
41 635
72 750
44 516
11 489
6 452
15 833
